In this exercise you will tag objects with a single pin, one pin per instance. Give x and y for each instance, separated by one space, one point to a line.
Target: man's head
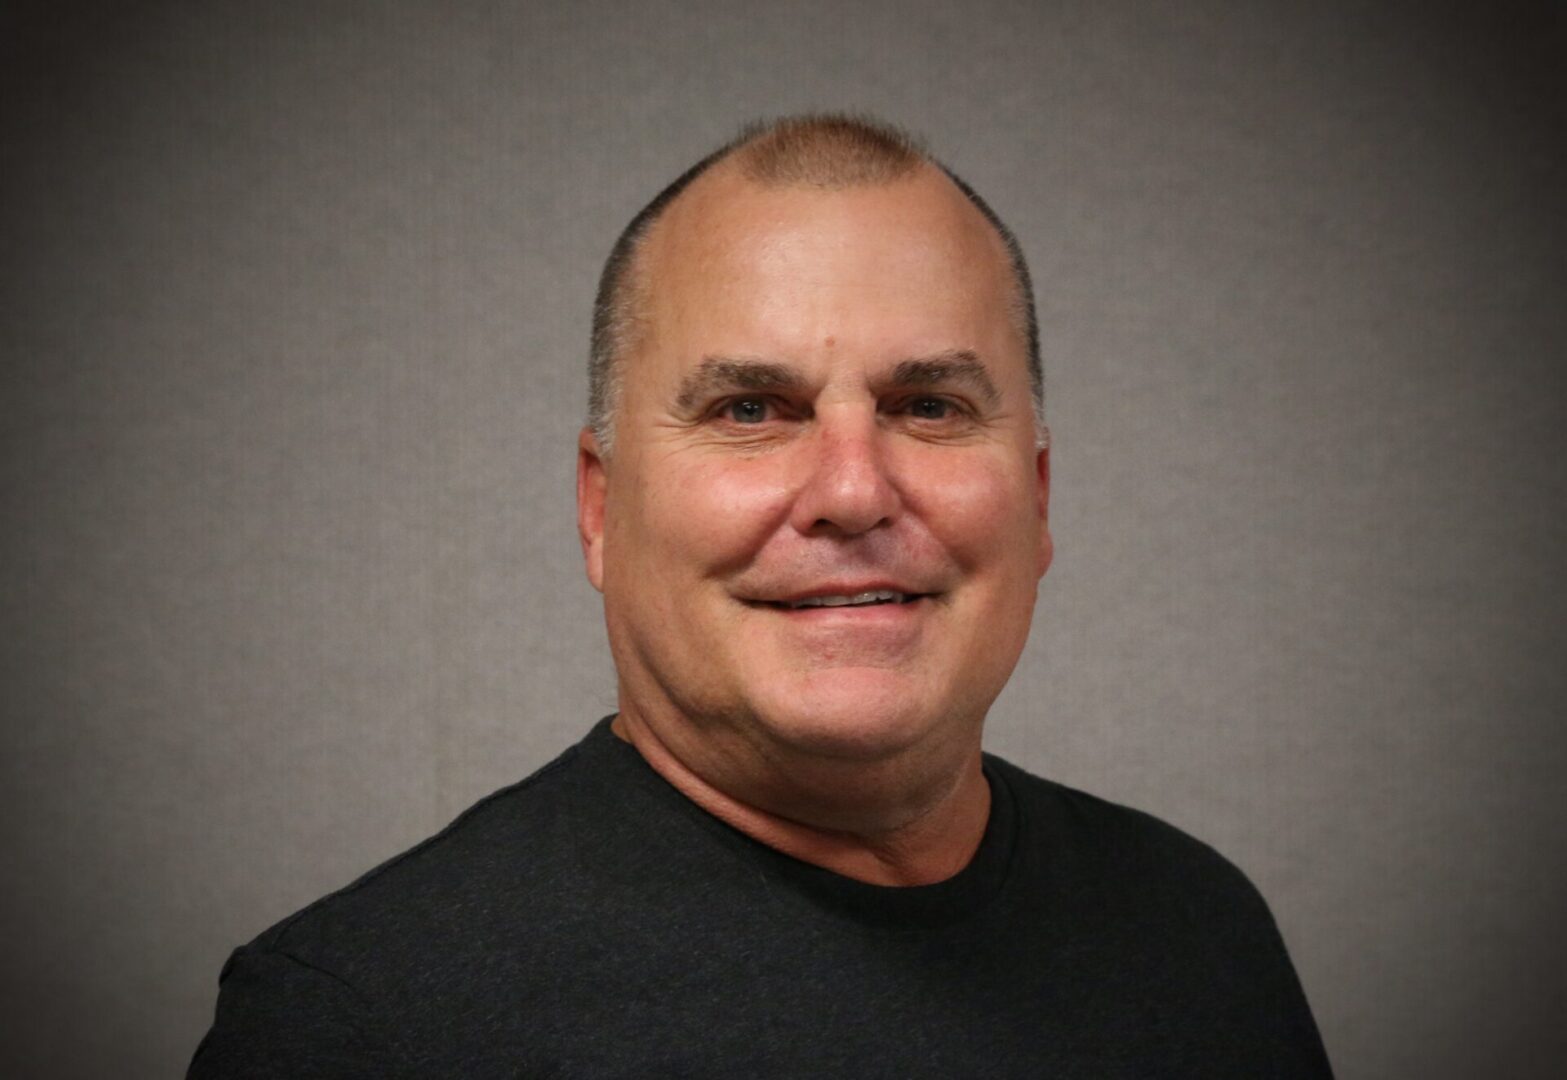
822 526
819 150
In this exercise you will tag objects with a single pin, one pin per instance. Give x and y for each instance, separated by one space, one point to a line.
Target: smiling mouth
862 599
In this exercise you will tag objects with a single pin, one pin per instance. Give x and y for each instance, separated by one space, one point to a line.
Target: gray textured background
294 316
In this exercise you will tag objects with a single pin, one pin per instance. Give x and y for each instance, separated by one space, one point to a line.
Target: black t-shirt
591 921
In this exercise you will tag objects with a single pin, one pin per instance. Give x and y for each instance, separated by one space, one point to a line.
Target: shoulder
444 896
1121 856
430 937
1162 918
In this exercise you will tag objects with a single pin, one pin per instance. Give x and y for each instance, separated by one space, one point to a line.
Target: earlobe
591 490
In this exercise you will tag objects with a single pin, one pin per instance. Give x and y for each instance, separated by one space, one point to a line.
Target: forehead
911 265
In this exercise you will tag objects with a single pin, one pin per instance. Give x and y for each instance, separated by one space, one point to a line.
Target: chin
859 715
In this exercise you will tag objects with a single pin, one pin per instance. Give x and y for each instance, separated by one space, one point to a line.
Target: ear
592 482
1047 547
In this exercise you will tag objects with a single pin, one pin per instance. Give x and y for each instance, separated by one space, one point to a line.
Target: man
813 493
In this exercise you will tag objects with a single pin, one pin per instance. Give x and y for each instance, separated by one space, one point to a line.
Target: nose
847 487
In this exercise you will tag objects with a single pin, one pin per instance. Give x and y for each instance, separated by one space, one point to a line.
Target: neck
932 844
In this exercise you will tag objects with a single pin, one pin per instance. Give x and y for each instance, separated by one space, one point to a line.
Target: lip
784 600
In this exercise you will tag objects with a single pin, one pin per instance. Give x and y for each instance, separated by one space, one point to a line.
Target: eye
747 410
930 408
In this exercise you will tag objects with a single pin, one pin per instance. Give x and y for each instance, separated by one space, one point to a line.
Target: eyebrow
960 366
718 374
722 374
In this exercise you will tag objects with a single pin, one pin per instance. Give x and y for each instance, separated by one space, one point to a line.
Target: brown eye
747 410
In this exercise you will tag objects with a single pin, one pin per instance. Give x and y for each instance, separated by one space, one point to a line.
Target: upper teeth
875 596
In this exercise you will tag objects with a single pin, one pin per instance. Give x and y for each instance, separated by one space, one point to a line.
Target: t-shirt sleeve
1286 1028
280 1016
1256 999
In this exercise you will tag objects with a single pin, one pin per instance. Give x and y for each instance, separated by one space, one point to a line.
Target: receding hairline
730 183
731 180
827 152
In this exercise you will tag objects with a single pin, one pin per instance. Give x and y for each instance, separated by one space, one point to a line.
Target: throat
807 821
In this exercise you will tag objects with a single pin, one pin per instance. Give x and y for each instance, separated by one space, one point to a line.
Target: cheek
981 511
707 516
